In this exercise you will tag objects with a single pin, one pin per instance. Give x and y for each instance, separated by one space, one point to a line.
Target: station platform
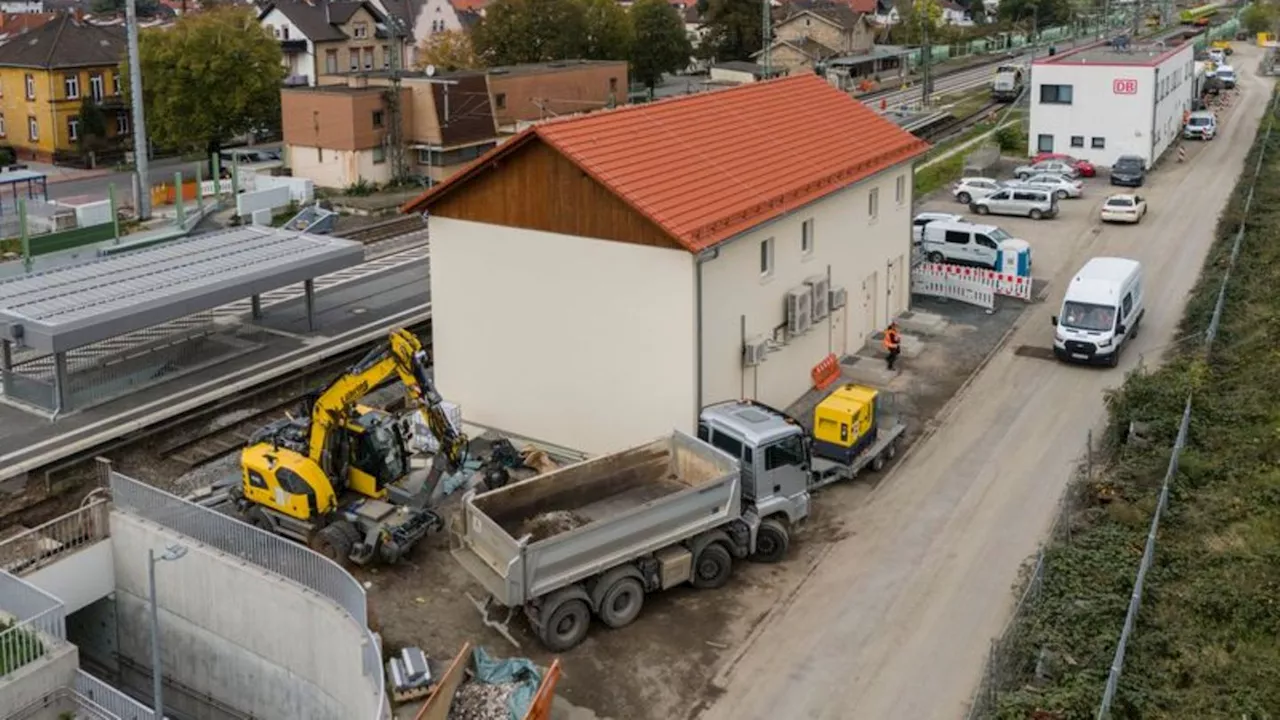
345 316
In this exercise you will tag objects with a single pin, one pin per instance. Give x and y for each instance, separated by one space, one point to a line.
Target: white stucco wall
338 169
79 578
302 64
578 342
869 257
1143 122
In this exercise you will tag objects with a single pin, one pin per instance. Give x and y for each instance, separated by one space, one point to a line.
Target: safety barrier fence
110 699
32 624
266 550
32 549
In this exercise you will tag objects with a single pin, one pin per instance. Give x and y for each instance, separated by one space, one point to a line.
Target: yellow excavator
331 479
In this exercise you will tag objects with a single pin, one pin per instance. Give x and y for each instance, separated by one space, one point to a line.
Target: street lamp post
173 552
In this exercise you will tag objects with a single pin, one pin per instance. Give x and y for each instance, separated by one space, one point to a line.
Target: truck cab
773 450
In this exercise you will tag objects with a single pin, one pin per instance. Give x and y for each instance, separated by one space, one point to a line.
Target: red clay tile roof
709 166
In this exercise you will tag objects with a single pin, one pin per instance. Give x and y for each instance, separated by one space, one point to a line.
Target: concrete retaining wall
78 578
236 632
39 679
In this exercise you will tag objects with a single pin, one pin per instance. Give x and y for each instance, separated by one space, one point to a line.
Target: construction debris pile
482 701
550 524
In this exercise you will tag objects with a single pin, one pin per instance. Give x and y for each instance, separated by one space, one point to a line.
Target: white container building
1111 99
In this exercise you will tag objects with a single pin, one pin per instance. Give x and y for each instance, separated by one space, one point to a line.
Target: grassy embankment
1207 641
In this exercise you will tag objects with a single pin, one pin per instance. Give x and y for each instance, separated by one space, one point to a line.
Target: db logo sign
1124 86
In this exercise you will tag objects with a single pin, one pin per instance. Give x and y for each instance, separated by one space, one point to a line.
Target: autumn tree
661 45
209 78
733 28
449 50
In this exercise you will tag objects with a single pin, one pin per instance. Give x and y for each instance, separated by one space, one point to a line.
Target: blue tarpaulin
520 671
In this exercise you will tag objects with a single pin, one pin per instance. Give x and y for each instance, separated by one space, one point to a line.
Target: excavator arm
404 356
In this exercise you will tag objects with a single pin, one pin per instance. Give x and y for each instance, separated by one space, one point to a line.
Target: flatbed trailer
826 472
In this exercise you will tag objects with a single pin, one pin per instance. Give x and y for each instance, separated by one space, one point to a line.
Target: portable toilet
1014 258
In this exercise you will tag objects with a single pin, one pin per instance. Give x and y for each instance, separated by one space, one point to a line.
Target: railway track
949 126
387 229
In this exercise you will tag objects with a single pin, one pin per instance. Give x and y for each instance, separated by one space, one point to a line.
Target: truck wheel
333 542
566 624
711 568
621 603
772 542
877 462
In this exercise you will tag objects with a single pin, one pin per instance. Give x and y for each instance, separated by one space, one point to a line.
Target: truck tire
772 542
621 602
877 462
566 622
333 542
712 567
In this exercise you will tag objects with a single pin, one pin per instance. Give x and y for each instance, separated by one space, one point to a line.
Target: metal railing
110 699
1211 334
32 549
270 552
36 623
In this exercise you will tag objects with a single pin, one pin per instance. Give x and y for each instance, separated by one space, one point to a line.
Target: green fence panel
71 239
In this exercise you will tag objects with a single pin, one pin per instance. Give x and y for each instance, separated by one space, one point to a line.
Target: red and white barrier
976 286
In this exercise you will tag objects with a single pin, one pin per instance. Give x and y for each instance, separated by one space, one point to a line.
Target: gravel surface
480 701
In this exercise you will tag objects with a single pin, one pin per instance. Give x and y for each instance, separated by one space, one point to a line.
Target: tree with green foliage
661 43
529 31
92 132
1258 18
208 78
919 19
145 8
1036 14
609 31
733 28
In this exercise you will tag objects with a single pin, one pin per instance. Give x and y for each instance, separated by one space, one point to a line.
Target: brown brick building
336 134
539 91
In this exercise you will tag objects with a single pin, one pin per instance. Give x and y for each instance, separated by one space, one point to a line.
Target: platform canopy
77 305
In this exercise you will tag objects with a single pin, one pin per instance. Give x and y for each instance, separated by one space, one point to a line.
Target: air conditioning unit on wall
799 310
818 288
838 298
754 350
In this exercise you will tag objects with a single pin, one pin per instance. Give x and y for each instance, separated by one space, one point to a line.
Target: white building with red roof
596 281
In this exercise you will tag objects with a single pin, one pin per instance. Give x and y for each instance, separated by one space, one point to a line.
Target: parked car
1053 167
1124 208
1217 56
249 156
1201 125
924 218
1129 170
963 243
1027 202
1227 75
974 187
1061 187
1101 311
1085 168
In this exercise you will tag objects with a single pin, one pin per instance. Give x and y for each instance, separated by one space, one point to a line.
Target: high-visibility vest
891 340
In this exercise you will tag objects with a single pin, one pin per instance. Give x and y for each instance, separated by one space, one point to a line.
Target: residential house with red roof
596 280
329 38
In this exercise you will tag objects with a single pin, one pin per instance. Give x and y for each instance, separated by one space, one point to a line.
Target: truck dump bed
532 537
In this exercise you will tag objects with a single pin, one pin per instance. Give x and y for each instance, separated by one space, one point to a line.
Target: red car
1085 167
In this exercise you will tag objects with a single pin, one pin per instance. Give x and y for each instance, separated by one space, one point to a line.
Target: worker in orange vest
892 344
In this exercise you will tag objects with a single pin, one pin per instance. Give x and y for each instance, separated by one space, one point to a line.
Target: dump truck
594 538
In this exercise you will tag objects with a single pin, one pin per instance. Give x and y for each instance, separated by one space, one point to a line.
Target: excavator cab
379 455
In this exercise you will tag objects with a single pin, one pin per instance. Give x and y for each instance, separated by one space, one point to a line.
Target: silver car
1025 202
1061 187
1047 167
966 189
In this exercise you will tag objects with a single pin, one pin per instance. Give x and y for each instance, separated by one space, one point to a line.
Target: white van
962 243
1101 311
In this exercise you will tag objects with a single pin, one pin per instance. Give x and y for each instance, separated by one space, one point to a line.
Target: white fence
301 190
36 623
976 286
110 699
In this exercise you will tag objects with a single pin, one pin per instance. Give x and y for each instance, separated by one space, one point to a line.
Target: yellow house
47 78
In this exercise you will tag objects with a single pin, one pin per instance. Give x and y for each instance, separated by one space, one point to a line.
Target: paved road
895 622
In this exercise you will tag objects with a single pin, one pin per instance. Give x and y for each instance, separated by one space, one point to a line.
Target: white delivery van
1101 311
962 243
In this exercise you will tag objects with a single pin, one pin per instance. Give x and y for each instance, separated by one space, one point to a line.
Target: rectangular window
613 84
31 87
354 56
900 189
806 237
873 203
33 129
73 128
500 100
3 132
1058 94
331 62
386 57
730 445
71 82
1098 143
285 32
1044 143
122 123
379 155
766 257
115 83
377 118
361 31
97 87
1077 141
368 58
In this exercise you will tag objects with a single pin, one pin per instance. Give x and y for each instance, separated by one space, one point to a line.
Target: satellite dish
431 71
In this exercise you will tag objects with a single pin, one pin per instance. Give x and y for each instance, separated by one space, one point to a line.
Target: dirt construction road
895 621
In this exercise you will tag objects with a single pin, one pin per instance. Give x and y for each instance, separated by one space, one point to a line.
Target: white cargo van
1101 311
962 243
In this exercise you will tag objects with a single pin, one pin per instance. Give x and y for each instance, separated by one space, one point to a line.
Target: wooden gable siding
536 188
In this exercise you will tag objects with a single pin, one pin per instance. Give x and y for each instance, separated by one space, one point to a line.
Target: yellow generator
845 423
